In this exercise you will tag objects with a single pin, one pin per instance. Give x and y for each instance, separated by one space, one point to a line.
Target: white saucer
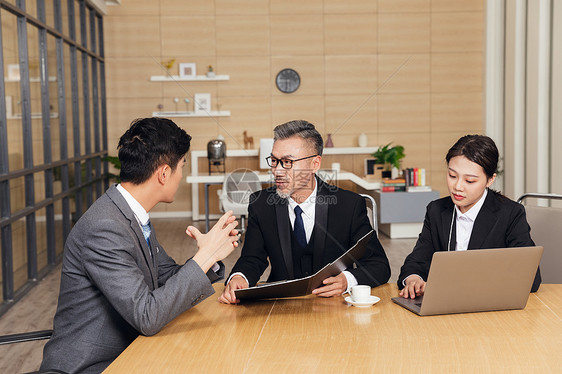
363 304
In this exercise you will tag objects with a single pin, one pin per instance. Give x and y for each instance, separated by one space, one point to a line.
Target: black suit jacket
340 221
501 223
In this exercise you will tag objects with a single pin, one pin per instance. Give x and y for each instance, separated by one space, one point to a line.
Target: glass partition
51 132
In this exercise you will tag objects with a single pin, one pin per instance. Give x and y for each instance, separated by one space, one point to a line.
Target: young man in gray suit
117 281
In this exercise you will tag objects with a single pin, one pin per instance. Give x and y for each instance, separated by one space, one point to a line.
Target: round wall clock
288 80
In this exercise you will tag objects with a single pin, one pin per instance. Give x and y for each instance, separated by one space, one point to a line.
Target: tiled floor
36 310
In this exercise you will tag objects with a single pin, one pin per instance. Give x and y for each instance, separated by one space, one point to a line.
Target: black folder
304 286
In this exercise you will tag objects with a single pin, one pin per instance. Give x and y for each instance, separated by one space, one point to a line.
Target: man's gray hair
303 129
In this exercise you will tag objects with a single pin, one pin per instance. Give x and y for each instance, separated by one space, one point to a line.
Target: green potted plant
389 157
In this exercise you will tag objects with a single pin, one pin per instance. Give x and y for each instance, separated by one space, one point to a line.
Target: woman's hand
415 286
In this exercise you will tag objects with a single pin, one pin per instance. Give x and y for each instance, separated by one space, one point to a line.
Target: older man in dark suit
117 281
303 223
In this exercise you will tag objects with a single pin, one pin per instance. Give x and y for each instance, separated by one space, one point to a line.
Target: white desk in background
194 178
207 180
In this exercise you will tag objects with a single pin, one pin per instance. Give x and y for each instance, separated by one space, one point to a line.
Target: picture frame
188 70
202 103
372 169
13 72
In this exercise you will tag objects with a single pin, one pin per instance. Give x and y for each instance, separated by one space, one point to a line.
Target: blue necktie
299 227
146 232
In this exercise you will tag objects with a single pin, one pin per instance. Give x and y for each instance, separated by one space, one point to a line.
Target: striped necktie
146 232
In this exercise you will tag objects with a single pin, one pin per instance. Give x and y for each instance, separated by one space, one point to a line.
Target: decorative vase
329 143
362 140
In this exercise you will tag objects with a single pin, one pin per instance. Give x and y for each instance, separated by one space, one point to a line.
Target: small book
418 188
304 286
394 181
394 188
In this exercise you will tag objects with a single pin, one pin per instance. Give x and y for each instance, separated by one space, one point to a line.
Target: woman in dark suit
471 217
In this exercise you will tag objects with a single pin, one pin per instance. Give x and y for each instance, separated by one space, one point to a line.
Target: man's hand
415 286
237 282
218 243
333 286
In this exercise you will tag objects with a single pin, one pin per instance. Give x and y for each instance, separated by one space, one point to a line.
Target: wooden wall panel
340 39
133 8
249 76
403 71
416 147
183 35
296 35
124 77
186 7
404 32
404 113
241 7
457 32
242 35
457 5
255 119
351 74
352 114
457 72
440 142
133 36
349 6
462 110
402 6
287 108
296 6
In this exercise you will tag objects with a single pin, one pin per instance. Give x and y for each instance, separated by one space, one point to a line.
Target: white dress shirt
140 214
308 212
464 225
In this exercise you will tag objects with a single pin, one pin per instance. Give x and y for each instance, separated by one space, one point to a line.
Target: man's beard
283 195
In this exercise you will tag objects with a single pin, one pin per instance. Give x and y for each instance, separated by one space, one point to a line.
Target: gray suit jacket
112 289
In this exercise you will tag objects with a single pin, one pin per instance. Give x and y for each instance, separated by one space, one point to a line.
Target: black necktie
299 227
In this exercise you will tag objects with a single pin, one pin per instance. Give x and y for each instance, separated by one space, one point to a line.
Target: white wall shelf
33 79
213 113
33 115
198 78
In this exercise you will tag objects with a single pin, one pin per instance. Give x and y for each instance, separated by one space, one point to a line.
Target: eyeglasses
285 164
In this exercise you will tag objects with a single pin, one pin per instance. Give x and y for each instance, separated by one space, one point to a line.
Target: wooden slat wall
408 72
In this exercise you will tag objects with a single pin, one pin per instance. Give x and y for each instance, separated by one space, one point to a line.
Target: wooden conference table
315 335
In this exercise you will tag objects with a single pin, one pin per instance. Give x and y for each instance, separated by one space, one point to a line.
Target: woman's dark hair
479 149
148 144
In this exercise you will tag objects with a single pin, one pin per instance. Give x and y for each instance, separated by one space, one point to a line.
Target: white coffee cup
360 293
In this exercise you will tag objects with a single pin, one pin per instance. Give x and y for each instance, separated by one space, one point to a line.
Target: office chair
25 337
235 193
546 226
371 211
